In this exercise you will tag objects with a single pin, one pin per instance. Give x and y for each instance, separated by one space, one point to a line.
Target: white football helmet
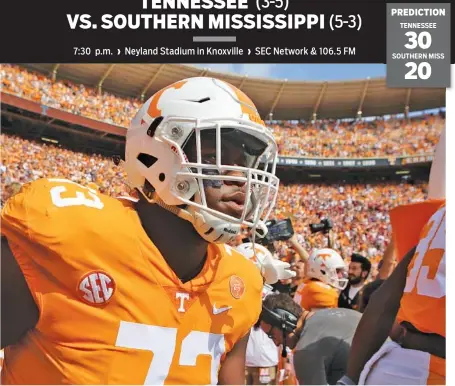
329 267
272 269
166 158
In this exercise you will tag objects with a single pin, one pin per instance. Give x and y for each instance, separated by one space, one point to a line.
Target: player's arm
19 312
232 371
378 319
302 252
387 262
331 239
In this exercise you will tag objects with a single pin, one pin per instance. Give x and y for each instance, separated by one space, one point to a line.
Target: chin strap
284 351
180 212
195 218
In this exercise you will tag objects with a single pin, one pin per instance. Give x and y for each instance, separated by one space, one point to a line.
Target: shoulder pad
46 207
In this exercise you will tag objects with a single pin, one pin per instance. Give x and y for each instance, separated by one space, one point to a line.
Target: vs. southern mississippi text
192 15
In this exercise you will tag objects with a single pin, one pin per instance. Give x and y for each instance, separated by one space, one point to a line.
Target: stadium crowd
71 97
24 160
378 138
326 138
359 212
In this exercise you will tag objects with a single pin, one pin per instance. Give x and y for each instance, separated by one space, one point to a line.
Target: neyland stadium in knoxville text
141 51
258 51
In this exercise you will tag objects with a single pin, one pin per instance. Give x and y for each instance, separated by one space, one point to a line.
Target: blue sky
316 72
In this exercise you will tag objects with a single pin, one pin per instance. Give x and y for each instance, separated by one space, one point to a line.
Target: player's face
273 333
355 273
237 149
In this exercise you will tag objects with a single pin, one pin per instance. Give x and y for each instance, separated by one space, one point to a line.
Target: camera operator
320 340
300 266
359 269
302 252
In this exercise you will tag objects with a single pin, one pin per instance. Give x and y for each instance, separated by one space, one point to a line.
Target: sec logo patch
96 288
236 286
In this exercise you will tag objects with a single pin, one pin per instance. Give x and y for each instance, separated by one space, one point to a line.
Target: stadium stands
76 99
24 160
320 139
360 138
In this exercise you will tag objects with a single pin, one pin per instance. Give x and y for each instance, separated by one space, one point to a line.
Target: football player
414 297
326 275
98 290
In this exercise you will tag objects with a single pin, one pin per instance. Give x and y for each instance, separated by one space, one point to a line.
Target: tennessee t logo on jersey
96 288
182 296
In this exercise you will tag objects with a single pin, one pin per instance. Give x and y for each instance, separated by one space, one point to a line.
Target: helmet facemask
209 155
342 281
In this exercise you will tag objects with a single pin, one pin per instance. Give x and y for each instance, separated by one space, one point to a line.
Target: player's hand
274 270
293 239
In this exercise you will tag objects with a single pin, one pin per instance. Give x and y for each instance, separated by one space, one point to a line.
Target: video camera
278 230
324 226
